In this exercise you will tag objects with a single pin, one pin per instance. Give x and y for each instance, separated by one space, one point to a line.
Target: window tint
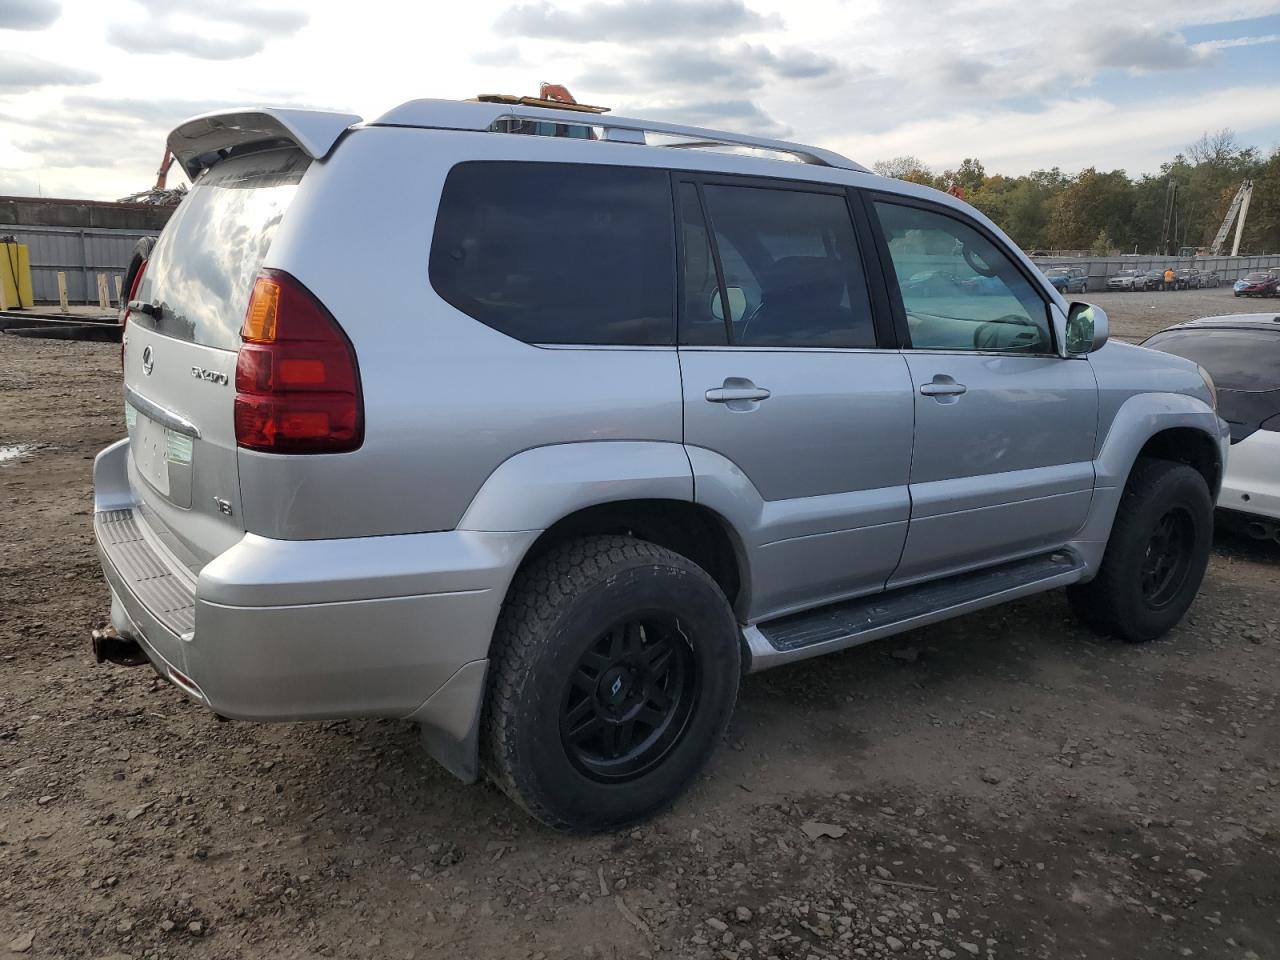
960 291
203 267
1246 360
559 253
791 268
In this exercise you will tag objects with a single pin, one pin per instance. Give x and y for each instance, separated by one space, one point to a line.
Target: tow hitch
109 646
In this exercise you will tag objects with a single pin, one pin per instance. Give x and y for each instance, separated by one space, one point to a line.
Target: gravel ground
1005 785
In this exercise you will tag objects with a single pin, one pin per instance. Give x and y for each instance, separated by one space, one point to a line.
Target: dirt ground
1005 785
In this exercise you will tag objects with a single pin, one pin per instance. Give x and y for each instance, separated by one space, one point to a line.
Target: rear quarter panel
446 399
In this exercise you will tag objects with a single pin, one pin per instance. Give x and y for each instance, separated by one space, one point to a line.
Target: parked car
1068 279
1189 279
484 471
1210 278
1242 354
1257 284
1127 280
1154 280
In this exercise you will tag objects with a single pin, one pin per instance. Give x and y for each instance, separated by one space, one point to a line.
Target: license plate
149 445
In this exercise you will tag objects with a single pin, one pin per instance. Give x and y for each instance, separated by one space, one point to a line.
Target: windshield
1244 360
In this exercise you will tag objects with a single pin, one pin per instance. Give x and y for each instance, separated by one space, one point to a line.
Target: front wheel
1155 557
613 673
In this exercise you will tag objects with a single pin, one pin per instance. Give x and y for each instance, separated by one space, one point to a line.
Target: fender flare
1138 419
537 487
1143 416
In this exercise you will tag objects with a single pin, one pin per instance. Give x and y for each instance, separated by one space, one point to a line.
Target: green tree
1102 245
1091 203
1262 228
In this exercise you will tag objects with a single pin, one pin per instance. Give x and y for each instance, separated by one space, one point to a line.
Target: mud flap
450 721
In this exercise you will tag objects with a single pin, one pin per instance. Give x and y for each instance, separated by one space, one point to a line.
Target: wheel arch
1167 426
690 529
1190 445
637 488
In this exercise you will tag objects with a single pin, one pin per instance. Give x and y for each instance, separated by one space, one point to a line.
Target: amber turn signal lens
260 317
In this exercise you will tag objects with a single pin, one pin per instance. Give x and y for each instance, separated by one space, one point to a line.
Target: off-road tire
1113 602
559 605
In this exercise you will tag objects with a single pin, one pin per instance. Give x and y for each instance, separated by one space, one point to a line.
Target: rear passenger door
798 409
1004 425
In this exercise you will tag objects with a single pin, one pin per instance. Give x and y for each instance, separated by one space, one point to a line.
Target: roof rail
482 116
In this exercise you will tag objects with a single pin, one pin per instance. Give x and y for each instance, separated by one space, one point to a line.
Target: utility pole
1169 229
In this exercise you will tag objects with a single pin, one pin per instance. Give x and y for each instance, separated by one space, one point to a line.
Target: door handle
736 389
942 386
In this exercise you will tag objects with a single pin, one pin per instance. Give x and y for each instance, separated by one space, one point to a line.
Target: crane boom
1239 205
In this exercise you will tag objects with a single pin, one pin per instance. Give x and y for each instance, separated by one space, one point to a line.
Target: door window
960 291
791 270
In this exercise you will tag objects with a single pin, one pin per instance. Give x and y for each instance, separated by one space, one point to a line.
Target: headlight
1213 388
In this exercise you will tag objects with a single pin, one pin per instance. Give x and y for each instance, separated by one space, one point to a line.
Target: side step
851 622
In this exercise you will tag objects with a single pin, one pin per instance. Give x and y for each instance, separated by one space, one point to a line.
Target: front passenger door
1002 465
798 414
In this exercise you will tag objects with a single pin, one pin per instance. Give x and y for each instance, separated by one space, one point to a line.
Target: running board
851 622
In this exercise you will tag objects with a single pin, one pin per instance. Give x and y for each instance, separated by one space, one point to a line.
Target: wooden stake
63 303
104 302
119 290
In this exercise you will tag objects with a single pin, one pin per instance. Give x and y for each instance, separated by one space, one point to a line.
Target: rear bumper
287 630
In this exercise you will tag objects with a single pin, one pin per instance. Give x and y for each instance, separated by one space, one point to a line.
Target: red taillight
297 384
133 293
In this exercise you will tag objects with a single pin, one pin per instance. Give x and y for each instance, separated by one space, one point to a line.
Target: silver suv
539 429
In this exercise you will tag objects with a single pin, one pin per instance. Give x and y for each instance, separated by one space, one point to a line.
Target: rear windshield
559 253
202 270
1245 360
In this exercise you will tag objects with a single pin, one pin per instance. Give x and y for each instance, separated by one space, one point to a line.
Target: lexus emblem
148 362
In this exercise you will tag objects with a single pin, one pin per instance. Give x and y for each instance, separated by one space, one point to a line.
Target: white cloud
20 72
1071 134
1238 42
227 30
28 14
832 72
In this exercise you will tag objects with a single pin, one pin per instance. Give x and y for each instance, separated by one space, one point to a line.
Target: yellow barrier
15 276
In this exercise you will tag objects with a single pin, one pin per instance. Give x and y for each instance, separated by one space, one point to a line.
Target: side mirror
737 303
1087 328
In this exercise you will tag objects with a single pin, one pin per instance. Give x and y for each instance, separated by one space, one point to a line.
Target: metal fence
1100 268
79 252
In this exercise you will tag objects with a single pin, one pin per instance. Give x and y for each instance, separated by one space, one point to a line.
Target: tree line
1108 212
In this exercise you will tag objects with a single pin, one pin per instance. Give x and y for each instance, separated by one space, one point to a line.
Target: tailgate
180 354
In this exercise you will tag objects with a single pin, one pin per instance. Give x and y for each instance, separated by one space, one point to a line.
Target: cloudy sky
90 88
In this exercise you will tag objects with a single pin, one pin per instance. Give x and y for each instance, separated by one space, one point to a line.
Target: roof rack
488 116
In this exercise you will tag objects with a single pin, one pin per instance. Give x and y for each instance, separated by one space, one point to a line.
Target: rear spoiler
202 141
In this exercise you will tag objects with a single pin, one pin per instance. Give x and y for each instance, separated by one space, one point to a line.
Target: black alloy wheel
1167 560
628 701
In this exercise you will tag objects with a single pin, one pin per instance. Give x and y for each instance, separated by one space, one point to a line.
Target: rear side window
202 270
1244 360
559 253
792 272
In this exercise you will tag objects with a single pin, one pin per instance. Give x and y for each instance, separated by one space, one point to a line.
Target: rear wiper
145 306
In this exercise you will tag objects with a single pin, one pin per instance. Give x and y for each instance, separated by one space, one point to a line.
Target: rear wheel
614 671
1156 554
